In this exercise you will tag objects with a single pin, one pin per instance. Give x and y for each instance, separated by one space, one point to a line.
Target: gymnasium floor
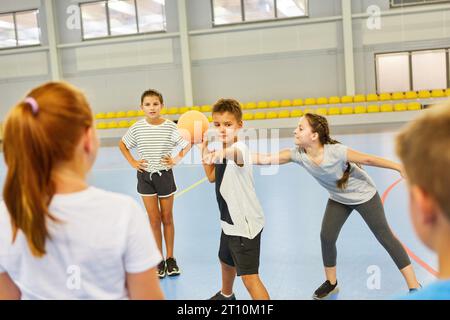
291 265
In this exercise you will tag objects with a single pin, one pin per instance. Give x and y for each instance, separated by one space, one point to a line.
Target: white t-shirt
360 187
237 189
101 236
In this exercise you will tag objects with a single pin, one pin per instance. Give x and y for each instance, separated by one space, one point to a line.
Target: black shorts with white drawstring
161 184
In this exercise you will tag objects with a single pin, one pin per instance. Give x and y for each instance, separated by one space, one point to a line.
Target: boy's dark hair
229 105
152 93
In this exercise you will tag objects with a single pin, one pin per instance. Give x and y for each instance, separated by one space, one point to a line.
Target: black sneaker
414 290
172 267
325 290
161 269
220 296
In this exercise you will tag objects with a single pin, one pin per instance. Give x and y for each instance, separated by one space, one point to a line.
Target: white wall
272 60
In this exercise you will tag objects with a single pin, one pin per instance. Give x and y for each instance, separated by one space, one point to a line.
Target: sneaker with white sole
161 269
325 290
220 296
172 267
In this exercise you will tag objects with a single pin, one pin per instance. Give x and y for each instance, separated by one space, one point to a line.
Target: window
429 69
18 29
122 17
413 70
93 17
393 72
151 15
255 10
405 3
241 11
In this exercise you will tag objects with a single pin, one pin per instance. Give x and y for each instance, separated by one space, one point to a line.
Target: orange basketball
192 125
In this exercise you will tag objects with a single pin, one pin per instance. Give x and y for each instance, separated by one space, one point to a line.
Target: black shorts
162 185
241 253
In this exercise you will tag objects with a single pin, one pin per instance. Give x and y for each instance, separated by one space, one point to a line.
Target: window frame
16 32
243 22
410 54
108 22
392 5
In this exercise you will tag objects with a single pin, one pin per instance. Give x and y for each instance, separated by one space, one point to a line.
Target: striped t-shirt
153 142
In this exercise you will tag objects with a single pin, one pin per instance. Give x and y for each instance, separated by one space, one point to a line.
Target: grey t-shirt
360 187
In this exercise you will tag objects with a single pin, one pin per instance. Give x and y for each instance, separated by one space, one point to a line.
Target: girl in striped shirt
155 139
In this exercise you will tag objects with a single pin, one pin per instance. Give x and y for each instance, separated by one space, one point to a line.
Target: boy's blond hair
424 148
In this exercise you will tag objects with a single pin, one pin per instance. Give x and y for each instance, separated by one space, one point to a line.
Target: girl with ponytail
337 168
59 237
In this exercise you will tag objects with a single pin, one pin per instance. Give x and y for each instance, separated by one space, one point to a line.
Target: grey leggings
373 214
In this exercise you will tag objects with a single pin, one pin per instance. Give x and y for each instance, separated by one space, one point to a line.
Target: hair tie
33 103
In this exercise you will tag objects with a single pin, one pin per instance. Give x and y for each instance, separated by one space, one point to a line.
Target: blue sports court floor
291 264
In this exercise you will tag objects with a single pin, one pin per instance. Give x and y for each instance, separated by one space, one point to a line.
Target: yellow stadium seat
359 98
113 125
210 119
437 93
172 111
100 115
271 115
322 101
111 115
360 109
141 113
334 100
400 107
132 114
372 97
308 110
413 106
102 125
398 96
385 97
274 104
447 92
121 114
322 111
163 111
183 110
123 124
206 108
283 114
411 95
347 110
286 103
334 111
387 107
263 105
260 116
130 123
250 105
296 113
247 116
347 99
424 94
297 103
373 108
310 101
196 108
